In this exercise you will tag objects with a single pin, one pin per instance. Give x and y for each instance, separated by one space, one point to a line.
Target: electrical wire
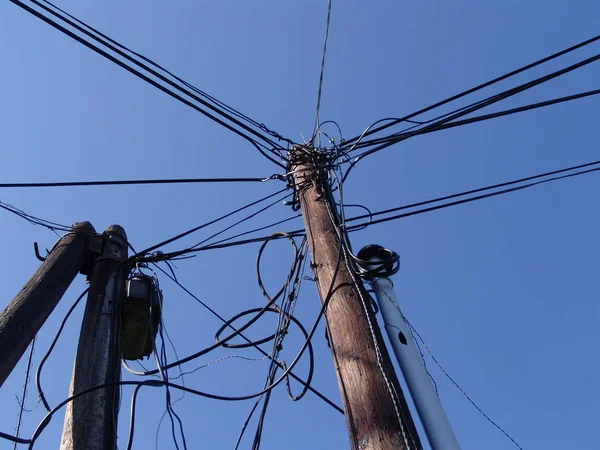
211 222
519 109
149 80
434 124
321 73
134 182
24 395
470 199
38 373
406 118
53 226
338 220
222 319
243 220
458 386
185 83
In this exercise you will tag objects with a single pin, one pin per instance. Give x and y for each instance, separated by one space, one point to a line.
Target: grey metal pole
433 418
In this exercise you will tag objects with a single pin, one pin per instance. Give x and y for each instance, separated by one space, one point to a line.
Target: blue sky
503 291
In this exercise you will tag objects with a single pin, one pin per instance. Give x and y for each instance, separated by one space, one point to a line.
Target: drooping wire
265 354
24 395
413 330
38 374
52 226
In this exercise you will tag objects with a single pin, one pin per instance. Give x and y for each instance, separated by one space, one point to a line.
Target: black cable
470 199
158 383
474 191
477 88
34 220
132 417
158 66
222 319
279 222
321 72
519 109
390 140
145 77
338 221
245 219
204 225
130 182
38 373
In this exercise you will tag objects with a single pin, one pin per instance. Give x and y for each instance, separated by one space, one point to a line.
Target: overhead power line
406 118
261 147
447 118
322 71
217 102
519 109
132 182
478 197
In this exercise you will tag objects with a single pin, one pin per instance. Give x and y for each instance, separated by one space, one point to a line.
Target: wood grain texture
374 420
26 313
91 419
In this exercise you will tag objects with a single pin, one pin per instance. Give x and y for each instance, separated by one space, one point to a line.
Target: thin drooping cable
321 73
458 386
185 83
288 294
265 354
38 373
150 80
158 383
446 118
24 395
53 226
204 225
472 199
133 182
477 88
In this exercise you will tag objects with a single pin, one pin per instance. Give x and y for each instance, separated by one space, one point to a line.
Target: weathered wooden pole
91 419
26 313
376 412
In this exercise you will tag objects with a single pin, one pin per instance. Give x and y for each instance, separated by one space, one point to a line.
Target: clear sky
504 291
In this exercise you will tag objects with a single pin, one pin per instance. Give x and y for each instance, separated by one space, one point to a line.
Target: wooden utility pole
376 412
91 420
26 313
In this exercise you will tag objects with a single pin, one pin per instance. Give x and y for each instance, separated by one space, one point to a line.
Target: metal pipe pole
429 407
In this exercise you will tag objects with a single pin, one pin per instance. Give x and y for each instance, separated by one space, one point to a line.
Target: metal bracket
93 249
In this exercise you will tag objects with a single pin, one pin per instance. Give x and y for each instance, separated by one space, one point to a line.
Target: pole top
376 261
